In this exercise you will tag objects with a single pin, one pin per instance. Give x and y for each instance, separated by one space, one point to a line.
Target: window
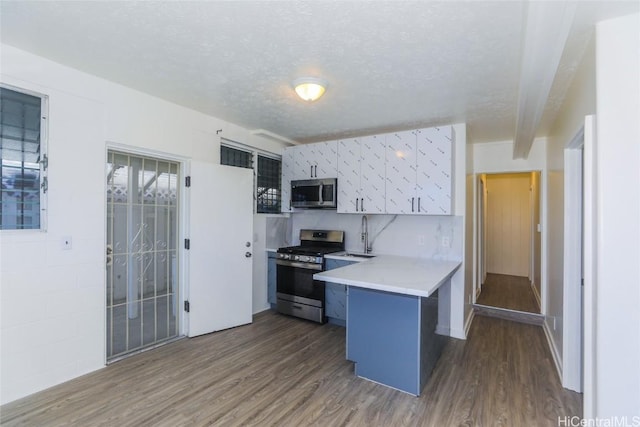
267 183
23 160
233 157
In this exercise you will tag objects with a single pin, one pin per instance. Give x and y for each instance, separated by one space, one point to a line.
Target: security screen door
142 256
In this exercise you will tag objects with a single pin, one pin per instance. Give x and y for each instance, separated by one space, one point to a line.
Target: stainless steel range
298 293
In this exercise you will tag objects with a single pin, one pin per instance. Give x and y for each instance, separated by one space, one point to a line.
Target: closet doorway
142 289
509 241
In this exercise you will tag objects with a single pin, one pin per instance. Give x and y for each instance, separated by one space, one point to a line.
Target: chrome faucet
364 234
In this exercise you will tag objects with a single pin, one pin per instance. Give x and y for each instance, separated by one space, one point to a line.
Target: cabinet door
348 175
372 174
434 170
288 169
324 159
303 166
401 173
335 293
335 301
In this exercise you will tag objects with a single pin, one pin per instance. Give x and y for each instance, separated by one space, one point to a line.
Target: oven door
295 282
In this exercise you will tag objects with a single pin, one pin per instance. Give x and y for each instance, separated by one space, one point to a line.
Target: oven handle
295 264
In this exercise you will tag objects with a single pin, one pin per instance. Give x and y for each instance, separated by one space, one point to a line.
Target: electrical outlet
421 240
446 242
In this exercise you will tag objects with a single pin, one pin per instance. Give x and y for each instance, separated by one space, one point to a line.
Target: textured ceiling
390 65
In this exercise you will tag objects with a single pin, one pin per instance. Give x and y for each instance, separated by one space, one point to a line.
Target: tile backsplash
409 235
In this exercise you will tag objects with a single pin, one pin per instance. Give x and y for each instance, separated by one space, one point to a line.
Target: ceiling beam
547 26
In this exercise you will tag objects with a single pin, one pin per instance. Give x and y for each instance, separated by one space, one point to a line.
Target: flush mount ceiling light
309 88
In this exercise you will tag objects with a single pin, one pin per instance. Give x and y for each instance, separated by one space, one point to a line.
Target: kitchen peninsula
392 314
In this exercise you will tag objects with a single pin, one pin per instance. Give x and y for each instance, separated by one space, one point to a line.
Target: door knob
247 254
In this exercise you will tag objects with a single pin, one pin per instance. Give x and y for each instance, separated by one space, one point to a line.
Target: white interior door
221 232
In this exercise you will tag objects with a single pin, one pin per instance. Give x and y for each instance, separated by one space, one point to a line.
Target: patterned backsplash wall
419 236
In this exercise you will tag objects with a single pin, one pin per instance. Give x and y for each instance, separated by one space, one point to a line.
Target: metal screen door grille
142 256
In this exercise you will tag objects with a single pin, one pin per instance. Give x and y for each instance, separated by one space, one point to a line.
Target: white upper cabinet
307 161
318 160
434 170
401 173
349 175
419 171
408 172
361 175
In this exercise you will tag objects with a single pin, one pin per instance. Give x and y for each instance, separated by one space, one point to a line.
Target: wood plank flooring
281 371
510 292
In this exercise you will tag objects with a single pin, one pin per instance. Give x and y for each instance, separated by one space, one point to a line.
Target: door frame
589 259
481 246
182 211
573 263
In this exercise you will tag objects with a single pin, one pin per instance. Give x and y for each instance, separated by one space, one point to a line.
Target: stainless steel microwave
315 193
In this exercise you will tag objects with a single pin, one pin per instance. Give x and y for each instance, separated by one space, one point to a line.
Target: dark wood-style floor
510 292
281 371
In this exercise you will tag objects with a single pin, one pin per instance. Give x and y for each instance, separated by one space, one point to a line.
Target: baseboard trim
555 354
440 330
467 323
457 333
536 295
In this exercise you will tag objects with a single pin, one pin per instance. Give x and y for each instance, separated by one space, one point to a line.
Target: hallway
509 292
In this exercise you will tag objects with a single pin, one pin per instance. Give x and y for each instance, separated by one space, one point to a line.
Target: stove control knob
296 258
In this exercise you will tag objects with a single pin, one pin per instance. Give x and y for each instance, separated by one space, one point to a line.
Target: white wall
470 238
579 102
52 302
617 316
497 157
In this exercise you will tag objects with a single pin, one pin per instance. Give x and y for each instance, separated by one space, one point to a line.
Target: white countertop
402 275
344 257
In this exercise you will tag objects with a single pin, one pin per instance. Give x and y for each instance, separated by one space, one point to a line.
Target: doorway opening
509 242
142 285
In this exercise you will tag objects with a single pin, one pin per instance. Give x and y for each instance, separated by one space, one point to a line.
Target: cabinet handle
418 204
413 199
315 170
356 204
362 204
311 174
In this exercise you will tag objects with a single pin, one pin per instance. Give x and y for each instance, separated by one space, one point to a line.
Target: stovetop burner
314 244
308 250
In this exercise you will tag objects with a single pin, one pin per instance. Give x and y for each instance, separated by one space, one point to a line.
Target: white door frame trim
589 258
572 269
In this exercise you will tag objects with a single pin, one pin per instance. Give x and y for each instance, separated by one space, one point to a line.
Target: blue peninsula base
392 337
